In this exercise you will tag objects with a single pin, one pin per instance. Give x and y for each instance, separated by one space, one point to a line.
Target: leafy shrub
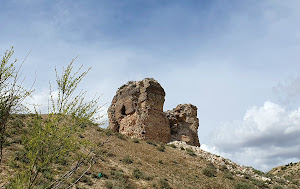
127 160
109 184
228 175
258 172
190 152
87 180
160 161
173 145
108 132
182 148
161 148
164 183
244 185
137 174
121 136
277 187
209 170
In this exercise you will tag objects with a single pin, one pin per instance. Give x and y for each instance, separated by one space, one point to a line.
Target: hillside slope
132 163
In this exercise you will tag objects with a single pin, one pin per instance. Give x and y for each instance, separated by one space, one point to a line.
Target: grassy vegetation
145 167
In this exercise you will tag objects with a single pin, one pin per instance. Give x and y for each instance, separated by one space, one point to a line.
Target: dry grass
149 167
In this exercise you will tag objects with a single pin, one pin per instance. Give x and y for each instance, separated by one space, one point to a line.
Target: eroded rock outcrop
184 124
137 111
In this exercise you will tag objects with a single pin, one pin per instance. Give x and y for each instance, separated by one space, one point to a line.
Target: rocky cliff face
184 124
137 111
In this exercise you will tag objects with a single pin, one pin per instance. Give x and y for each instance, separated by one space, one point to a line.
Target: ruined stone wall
184 124
137 111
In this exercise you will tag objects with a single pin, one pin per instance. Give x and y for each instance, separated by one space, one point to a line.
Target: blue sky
237 61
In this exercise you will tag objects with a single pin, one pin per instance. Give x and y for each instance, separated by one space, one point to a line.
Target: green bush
161 148
244 185
209 171
127 160
277 187
228 175
163 183
190 152
109 184
87 180
108 132
258 172
121 136
173 145
137 174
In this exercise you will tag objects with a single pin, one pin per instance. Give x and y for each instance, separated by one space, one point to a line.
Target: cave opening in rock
123 110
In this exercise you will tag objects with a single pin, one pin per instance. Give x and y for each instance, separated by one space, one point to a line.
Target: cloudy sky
237 61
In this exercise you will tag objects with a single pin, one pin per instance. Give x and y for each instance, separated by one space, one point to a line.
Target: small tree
12 93
52 141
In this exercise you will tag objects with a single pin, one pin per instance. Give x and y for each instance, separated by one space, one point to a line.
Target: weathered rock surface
137 111
184 124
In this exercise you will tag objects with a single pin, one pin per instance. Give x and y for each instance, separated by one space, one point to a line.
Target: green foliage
151 143
121 136
209 170
173 145
87 180
67 102
52 141
190 152
12 93
137 174
244 185
108 132
120 180
135 140
161 148
228 175
127 160
163 183
277 187
161 162
258 172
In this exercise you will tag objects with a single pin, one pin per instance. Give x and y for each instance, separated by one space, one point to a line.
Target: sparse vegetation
135 140
190 152
163 183
161 148
127 160
12 94
209 170
244 185
151 142
173 145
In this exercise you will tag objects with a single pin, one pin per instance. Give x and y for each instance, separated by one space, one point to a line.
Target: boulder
137 111
184 124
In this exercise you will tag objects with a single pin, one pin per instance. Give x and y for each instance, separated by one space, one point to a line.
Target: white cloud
267 136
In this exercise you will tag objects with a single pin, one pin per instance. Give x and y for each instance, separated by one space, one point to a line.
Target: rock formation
137 111
184 124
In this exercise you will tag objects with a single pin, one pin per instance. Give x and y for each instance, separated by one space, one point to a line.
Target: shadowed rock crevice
137 111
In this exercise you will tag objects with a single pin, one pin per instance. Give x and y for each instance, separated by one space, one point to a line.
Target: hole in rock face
123 110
